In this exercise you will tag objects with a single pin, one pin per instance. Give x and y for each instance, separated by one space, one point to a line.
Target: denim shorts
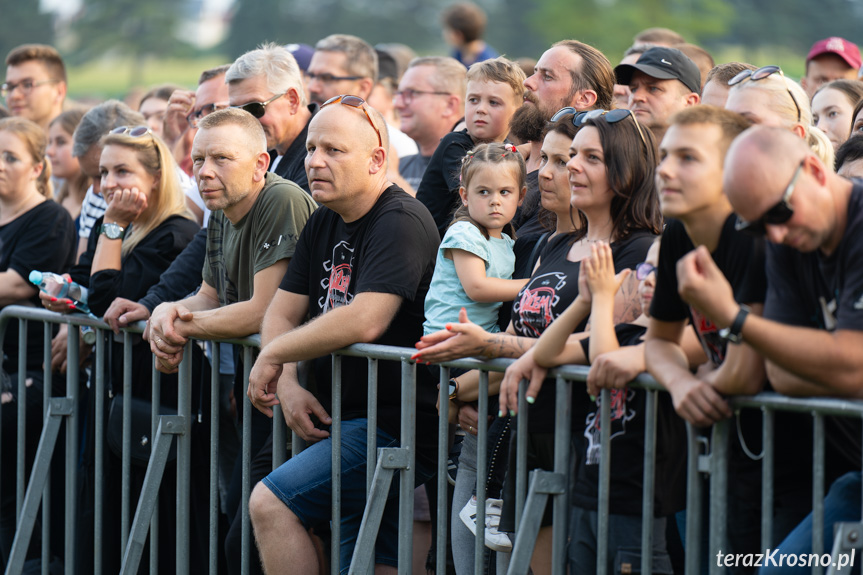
304 484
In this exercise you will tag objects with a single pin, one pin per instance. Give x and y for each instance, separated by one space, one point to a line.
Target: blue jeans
842 504
304 484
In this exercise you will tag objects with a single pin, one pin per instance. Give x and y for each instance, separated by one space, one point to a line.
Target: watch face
112 231
452 389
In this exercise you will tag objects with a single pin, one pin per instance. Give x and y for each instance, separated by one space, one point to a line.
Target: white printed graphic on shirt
337 283
620 414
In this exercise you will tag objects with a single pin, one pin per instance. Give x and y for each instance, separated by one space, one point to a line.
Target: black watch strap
732 333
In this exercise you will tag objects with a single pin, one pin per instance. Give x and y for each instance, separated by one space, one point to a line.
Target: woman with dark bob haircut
612 161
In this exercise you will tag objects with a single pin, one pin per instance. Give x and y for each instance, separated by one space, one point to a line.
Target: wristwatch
453 388
732 333
113 231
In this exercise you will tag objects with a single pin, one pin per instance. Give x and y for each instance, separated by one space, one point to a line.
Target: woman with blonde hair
766 96
36 234
145 226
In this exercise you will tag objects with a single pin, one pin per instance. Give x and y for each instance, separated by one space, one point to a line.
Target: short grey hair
207 75
100 120
274 63
362 60
450 75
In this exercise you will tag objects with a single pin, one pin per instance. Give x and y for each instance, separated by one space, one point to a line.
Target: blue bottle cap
35 277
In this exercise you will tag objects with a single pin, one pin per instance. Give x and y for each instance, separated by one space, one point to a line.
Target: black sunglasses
762 73
776 215
610 116
258 109
354 102
194 117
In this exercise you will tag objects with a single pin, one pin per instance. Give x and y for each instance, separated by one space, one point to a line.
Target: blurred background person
65 166
35 86
463 29
833 108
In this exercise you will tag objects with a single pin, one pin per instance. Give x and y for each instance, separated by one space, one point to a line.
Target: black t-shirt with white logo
392 250
627 448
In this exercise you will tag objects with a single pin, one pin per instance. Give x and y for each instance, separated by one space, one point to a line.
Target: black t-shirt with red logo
392 250
551 289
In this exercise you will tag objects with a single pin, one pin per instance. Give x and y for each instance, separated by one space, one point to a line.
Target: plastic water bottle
57 286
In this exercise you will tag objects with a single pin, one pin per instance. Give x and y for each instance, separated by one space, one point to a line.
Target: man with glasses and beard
570 73
268 84
812 330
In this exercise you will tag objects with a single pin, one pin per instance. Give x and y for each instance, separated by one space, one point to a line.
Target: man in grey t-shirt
257 218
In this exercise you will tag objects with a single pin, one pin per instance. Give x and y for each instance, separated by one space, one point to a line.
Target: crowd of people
671 215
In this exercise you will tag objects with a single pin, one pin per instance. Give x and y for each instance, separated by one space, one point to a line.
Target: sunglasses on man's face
760 74
777 215
258 109
194 117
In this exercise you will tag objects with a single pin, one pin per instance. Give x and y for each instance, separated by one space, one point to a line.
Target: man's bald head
758 166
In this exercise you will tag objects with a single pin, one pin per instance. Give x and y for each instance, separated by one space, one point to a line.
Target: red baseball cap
846 50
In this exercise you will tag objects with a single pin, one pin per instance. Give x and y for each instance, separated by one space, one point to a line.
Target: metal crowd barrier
533 491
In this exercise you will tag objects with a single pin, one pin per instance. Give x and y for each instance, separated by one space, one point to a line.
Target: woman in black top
611 167
145 226
35 234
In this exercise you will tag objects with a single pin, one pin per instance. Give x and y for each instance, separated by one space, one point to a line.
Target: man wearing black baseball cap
663 81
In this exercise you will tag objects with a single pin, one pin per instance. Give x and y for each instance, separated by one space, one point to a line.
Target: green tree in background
23 23
610 25
127 28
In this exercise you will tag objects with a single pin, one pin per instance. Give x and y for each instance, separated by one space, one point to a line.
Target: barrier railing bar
562 451
47 392
371 434
481 471
125 503
155 403
719 461
408 473
72 393
246 527
184 460
649 482
767 477
336 462
604 483
521 447
20 484
215 400
693 502
442 464
99 464
818 488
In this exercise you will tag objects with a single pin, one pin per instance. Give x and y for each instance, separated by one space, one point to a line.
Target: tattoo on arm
627 303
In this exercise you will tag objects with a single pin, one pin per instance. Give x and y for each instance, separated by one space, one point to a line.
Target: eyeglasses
26 86
610 116
643 270
355 102
762 73
194 117
327 78
259 109
136 132
776 215
408 95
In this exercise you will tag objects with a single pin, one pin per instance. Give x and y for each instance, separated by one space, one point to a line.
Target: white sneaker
468 514
494 538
